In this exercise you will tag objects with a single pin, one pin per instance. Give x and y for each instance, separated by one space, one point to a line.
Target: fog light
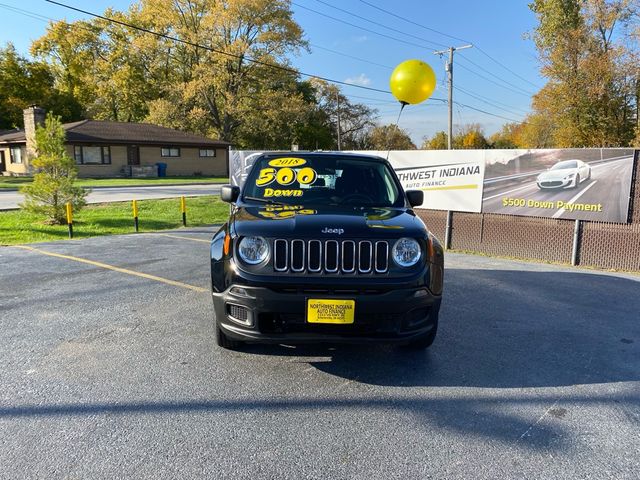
239 314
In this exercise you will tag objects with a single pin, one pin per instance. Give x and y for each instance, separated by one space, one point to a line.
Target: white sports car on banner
565 174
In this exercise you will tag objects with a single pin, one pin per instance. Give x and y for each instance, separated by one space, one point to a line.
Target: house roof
123 133
11 136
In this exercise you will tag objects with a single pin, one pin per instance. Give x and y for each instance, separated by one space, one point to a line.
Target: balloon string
402 105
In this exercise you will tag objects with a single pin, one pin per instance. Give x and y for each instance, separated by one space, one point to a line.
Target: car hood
556 174
329 222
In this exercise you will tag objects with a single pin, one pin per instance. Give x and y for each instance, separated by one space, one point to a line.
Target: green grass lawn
17 182
18 227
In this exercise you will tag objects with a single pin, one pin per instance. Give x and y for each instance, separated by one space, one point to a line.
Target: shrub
53 183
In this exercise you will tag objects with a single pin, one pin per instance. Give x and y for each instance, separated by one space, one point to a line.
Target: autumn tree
219 69
25 82
509 136
439 141
353 120
210 81
587 100
389 137
468 136
53 183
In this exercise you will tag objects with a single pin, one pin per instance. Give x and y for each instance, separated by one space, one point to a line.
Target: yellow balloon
413 81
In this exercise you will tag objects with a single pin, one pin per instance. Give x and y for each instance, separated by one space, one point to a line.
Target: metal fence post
575 252
447 231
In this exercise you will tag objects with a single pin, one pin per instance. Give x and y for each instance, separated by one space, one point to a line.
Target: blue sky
367 55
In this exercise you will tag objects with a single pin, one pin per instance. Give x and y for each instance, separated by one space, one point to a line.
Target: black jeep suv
324 247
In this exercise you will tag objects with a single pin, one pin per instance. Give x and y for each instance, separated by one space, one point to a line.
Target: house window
170 152
207 152
92 155
16 155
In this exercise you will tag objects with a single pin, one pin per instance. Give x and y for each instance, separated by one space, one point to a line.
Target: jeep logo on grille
336 231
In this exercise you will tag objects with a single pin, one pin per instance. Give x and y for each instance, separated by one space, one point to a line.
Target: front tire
221 339
425 341
577 184
225 342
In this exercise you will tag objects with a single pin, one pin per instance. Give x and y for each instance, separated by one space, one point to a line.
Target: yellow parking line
116 269
183 238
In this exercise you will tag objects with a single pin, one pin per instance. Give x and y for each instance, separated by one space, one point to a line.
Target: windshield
565 165
322 180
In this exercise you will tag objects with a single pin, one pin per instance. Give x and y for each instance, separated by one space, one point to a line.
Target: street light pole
449 70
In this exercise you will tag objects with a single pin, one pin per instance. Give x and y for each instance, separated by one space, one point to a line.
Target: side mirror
229 193
415 197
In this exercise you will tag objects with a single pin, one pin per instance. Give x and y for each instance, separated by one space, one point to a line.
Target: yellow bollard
134 205
183 209
70 218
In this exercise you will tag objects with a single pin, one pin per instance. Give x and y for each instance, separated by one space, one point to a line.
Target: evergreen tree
52 186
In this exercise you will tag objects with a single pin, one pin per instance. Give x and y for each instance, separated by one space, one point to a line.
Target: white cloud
360 39
361 80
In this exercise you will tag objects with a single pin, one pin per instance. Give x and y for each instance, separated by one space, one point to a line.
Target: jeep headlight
406 252
253 250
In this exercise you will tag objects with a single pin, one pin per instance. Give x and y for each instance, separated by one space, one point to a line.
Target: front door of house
2 165
133 155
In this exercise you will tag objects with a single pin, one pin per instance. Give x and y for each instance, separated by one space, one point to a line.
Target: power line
379 24
46 19
395 38
507 68
279 67
351 56
414 23
26 13
214 50
43 18
388 12
492 114
357 26
481 68
494 82
488 102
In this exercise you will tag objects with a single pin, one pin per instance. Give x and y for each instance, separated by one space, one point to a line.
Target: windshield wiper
261 200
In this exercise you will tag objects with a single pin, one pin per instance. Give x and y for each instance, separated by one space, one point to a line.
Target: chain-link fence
603 245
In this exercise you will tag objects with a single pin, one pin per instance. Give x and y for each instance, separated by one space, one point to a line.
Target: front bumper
265 315
553 184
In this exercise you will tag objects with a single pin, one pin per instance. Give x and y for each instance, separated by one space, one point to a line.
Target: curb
106 187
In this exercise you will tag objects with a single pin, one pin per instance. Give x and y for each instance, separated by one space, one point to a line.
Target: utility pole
449 70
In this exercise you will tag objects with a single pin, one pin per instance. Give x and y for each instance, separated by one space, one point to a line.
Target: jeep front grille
330 256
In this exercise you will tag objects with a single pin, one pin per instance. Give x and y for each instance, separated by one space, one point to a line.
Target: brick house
109 149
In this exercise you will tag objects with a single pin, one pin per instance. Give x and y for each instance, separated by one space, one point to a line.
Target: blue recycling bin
162 169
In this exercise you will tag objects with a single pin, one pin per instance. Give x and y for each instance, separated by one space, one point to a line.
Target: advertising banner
450 179
583 184
586 184
240 163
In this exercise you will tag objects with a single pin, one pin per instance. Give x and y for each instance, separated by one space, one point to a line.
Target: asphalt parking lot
109 370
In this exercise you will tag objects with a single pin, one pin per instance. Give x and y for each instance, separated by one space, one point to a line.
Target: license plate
330 311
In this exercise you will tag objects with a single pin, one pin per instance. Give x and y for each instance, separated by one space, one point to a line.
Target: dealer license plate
330 311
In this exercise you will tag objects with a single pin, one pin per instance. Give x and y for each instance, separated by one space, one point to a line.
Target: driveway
114 374
11 199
